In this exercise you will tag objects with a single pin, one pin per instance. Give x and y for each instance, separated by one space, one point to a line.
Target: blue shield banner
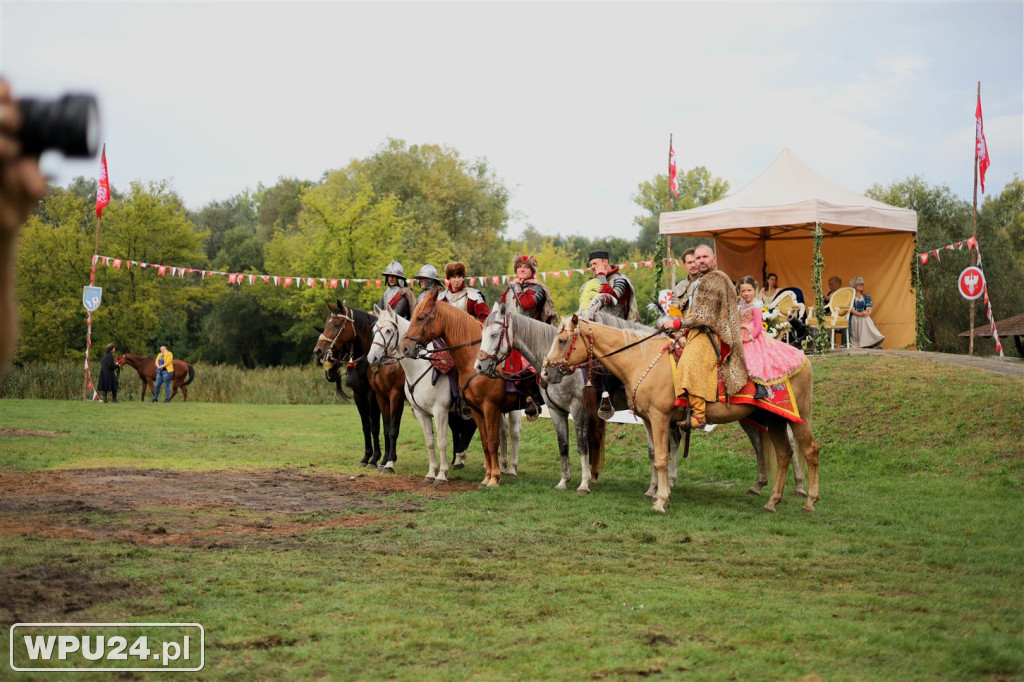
91 297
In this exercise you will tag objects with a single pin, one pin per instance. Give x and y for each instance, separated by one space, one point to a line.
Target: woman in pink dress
769 361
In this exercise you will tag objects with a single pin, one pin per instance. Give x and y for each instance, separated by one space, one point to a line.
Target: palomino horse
645 370
346 336
504 331
486 397
763 451
146 367
430 402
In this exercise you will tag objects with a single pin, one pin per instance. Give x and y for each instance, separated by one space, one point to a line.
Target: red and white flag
672 181
980 146
103 187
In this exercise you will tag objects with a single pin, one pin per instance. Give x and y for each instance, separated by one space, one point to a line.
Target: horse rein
329 357
390 357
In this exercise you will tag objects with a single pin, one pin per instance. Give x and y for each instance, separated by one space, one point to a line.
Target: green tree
141 308
54 253
696 187
943 219
344 231
279 206
462 200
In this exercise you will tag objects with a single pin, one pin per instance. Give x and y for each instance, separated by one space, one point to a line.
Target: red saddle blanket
779 399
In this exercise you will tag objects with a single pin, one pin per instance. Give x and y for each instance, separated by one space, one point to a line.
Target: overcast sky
571 104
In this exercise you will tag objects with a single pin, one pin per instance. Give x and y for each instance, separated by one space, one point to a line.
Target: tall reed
212 384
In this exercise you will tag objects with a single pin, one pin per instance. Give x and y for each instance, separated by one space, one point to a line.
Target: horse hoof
753 490
807 509
770 508
510 473
800 493
582 491
460 465
386 470
440 481
364 465
659 506
428 479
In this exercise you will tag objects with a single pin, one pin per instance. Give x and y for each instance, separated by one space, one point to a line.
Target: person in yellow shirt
164 374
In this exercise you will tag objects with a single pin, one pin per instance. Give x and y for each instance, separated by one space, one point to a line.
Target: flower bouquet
775 323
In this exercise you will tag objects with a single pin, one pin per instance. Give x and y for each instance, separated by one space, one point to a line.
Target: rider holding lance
397 296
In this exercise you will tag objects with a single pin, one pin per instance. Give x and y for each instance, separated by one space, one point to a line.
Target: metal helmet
394 268
428 271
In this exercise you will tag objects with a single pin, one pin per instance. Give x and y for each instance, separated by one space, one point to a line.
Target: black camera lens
69 125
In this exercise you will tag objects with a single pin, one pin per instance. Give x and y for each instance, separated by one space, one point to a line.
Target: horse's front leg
391 438
809 453
660 425
510 449
652 489
490 426
582 426
428 437
798 466
363 407
441 417
560 420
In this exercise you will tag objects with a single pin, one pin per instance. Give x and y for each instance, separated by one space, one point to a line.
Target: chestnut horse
487 398
645 369
346 338
146 367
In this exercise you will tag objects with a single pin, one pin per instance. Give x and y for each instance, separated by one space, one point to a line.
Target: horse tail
191 375
595 430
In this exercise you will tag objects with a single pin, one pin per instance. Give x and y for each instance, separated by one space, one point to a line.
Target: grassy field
911 567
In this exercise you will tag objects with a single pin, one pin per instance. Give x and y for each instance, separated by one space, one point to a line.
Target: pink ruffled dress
769 361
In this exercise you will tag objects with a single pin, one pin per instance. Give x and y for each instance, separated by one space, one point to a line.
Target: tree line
412 203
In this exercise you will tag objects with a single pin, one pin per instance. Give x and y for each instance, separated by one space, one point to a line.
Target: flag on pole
672 181
980 146
103 187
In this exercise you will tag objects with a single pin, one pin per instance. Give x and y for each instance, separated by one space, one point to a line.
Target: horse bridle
346 318
506 332
390 357
563 366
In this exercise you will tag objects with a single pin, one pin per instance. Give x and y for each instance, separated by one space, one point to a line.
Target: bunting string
299 281
969 243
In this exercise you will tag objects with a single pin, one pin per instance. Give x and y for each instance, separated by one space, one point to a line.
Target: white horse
504 331
430 402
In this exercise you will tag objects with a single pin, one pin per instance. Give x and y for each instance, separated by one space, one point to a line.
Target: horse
146 367
643 365
487 398
431 402
504 331
346 335
763 450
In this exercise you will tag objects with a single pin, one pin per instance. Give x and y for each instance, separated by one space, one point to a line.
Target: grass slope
911 568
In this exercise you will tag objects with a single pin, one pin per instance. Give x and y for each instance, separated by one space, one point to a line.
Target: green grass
911 567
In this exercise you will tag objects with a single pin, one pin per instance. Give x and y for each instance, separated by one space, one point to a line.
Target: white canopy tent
769 226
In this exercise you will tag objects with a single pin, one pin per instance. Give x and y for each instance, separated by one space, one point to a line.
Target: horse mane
533 333
617 322
459 326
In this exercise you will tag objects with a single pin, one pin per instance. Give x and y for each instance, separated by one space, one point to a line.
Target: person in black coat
109 372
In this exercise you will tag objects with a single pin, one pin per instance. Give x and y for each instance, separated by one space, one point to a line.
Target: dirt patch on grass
211 508
18 433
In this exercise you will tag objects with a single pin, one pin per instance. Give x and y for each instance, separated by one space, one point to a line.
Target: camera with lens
69 125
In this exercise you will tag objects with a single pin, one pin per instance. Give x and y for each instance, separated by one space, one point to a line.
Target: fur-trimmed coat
710 301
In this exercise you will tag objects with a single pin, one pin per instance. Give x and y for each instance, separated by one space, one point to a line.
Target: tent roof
789 196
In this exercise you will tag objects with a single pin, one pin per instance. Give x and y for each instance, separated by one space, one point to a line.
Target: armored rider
610 290
536 302
428 279
397 296
711 323
462 296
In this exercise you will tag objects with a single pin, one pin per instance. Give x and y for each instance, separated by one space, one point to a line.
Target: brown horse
645 370
487 398
146 367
